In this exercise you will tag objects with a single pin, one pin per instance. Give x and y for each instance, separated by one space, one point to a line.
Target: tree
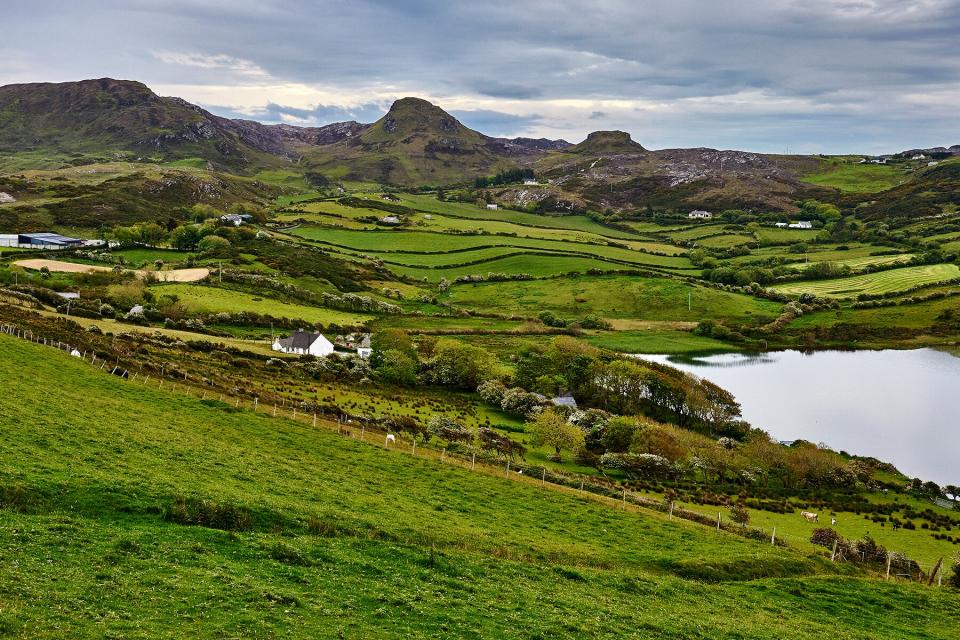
740 515
398 368
390 340
552 429
185 237
460 365
213 244
619 434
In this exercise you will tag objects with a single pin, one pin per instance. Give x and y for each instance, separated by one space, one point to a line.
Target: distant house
932 163
363 348
699 215
564 401
919 156
492 206
304 343
236 219
802 224
47 241
390 220
68 295
878 160
530 183
780 225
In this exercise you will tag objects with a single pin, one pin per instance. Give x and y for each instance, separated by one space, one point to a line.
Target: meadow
851 175
209 299
882 282
314 533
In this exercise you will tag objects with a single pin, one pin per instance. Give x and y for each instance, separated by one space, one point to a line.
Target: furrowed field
891 281
316 535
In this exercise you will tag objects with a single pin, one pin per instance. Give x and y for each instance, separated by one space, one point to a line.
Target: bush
207 513
739 514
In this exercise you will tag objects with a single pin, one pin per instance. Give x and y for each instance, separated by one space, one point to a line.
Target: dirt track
174 275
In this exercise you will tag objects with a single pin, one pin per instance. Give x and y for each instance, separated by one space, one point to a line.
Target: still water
899 406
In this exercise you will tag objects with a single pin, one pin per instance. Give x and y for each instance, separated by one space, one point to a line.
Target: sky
804 76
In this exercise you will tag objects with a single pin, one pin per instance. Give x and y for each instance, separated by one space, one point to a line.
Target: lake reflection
898 406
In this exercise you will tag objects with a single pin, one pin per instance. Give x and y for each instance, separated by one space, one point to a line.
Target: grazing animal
811 517
833 522
390 439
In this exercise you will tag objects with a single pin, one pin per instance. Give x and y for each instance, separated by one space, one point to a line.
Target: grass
856 177
890 281
352 541
626 297
664 341
204 299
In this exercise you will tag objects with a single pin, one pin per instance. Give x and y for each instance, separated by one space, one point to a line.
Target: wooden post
237 403
934 572
314 420
888 565
718 521
473 461
833 554
773 537
204 396
294 413
671 510
363 428
414 445
543 478
508 466
274 410
581 485
443 454
624 497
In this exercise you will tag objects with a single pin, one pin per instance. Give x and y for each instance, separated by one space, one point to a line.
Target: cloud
854 73
597 115
497 123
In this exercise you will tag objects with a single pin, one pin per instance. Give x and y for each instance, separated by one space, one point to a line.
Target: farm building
363 347
699 215
564 401
390 220
46 241
304 343
236 219
803 224
492 207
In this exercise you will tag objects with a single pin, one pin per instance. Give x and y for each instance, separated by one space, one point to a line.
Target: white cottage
304 343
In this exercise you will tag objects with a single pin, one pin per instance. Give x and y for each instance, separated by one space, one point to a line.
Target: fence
370 432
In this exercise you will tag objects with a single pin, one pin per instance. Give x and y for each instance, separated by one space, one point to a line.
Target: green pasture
855 177
889 281
206 299
620 297
349 538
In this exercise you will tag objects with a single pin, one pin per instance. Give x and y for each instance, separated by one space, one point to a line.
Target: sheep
810 517
390 439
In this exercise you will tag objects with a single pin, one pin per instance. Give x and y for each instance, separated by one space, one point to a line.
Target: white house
304 343
932 163
492 206
363 348
780 225
236 219
802 224
699 215
530 183
390 220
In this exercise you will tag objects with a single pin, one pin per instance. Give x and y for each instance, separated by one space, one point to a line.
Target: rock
6 198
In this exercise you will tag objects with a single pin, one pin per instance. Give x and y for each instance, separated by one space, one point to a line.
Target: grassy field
627 297
201 299
348 540
889 281
853 176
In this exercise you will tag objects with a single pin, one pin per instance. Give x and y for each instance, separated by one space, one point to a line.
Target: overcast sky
766 75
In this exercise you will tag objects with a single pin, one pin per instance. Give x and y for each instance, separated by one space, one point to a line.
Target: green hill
105 485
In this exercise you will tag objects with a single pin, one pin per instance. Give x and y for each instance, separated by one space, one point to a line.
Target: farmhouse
530 183
780 225
236 219
304 343
492 207
390 220
564 401
802 224
699 215
363 348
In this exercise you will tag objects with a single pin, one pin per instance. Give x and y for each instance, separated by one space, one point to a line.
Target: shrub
739 514
207 513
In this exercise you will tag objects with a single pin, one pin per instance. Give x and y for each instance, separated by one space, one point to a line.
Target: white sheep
390 439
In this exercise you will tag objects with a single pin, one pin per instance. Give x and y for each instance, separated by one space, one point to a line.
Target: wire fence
474 459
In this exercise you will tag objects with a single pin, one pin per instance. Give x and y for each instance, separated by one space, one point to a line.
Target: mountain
417 142
607 142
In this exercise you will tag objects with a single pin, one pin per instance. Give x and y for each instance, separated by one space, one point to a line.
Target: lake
899 406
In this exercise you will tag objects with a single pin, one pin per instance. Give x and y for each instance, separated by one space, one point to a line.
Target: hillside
103 481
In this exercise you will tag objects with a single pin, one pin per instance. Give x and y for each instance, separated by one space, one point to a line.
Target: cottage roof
299 339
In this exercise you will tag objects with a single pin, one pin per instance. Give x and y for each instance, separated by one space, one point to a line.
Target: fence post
473 461
256 401
294 413
237 403
671 510
773 537
543 478
624 497
888 565
443 454
314 420
363 428
718 521
414 445
274 410
833 554
581 485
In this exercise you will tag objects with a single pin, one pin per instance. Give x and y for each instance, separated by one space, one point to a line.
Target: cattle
810 517
390 439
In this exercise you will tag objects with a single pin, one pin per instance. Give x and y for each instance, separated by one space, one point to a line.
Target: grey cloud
845 58
497 123
598 115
